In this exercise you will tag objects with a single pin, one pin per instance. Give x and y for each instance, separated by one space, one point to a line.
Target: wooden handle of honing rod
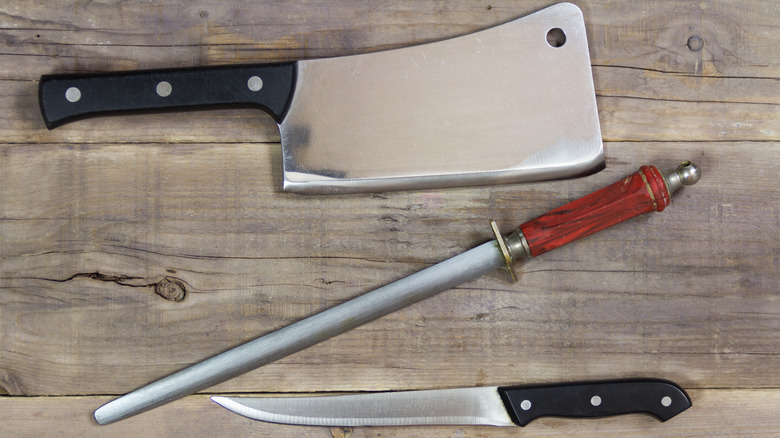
645 191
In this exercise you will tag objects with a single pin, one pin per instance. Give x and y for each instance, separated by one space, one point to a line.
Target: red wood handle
642 192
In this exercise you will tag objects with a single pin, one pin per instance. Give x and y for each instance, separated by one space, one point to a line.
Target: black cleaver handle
65 98
659 398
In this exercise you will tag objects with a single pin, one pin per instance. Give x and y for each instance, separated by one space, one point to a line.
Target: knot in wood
172 289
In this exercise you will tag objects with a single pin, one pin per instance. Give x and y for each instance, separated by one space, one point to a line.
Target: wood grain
105 222
716 413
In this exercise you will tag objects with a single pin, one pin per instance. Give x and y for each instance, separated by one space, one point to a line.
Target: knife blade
493 405
497 106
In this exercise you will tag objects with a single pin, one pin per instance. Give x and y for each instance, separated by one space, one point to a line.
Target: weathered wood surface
33 417
97 215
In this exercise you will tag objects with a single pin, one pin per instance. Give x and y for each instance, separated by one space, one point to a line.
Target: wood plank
688 288
652 87
715 412
103 222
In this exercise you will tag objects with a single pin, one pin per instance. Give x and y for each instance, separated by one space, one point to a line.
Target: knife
492 405
502 105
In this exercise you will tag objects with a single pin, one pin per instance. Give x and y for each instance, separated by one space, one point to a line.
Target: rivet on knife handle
404 292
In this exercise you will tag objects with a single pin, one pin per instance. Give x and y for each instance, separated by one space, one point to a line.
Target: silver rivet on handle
255 83
73 94
164 89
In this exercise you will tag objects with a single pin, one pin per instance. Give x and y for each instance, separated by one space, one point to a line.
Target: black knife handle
65 98
659 398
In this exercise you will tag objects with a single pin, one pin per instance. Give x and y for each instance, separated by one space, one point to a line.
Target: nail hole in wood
695 43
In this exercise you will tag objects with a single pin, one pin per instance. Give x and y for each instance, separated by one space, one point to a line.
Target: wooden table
99 215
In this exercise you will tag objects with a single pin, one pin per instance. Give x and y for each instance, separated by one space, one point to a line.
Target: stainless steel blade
497 106
476 406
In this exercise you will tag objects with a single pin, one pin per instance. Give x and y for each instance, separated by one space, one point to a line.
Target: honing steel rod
645 191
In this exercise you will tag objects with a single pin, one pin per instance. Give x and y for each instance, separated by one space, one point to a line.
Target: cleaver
509 104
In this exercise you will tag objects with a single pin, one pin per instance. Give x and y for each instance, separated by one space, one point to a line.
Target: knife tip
219 400
233 404
228 403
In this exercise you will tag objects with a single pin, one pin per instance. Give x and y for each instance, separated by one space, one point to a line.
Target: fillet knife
502 105
642 192
490 405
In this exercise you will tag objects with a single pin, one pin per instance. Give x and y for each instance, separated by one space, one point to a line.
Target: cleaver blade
509 104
